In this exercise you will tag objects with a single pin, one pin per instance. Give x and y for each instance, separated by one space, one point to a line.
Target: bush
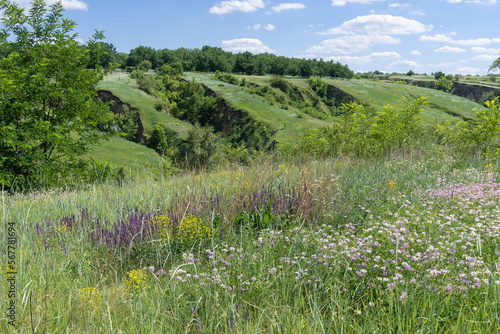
280 83
200 149
226 77
444 85
163 140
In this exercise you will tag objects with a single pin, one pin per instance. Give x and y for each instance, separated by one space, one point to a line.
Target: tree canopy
49 110
213 59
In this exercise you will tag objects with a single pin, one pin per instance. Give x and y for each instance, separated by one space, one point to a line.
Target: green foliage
226 77
319 86
444 84
438 75
201 148
482 134
164 140
145 65
410 73
281 83
362 132
49 111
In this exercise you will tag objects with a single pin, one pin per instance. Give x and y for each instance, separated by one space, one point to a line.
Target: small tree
438 75
444 85
410 73
49 110
200 148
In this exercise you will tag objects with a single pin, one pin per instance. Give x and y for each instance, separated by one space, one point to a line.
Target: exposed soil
117 106
339 96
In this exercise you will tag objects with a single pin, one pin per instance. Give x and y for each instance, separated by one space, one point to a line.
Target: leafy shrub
200 149
163 140
280 83
226 77
482 134
444 84
363 132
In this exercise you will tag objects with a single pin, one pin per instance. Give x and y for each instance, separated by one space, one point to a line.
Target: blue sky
453 36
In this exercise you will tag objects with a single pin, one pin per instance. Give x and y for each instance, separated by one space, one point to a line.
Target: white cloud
226 7
268 27
416 53
399 5
252 45
470 70
67 4
463 42
351 44
418 13
404 64
447 48
287 6
379 25
479 49
344 2
486 57
478 2
364 59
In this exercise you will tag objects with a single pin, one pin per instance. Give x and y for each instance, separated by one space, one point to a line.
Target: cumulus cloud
479 49
418 13
477 2
268 27
486 57
404 64
470 70
399 5
226 7
447 49
344 2
464 42
252 45
67 4
351 44
364 59
416 53
287 6
380 25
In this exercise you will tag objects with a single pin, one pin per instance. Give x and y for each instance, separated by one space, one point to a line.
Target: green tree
200 148
163 140
410 73
49 110
438 75
444 85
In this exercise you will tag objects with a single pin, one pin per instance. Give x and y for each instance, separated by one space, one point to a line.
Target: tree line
212 59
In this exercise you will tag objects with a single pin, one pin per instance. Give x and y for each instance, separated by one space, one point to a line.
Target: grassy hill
126 89
442 106
289 121
287 118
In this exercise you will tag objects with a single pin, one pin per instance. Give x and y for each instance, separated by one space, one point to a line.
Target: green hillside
126 89
123 153
289 121
283 115
441 107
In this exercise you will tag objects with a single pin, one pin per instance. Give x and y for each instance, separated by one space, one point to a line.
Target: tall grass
407 243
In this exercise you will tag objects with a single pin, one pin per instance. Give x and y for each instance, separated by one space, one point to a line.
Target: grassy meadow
402 244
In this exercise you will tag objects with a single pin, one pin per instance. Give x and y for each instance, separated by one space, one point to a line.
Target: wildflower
90 296
136 281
